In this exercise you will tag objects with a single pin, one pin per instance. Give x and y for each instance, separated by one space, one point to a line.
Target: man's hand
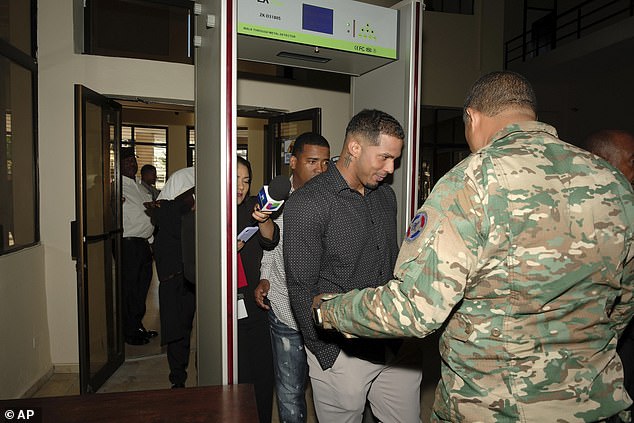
261 291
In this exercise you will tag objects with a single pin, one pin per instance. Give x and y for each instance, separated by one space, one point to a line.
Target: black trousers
255 362
178 350
136 275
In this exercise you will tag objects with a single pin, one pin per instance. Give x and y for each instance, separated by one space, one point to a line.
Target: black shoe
148 334
136 340
178 385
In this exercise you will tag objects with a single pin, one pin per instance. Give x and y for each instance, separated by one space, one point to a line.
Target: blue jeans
291 370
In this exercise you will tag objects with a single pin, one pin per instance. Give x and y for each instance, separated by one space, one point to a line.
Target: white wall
24 354
335 106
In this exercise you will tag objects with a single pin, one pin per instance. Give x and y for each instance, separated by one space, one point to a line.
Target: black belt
135 238
172 276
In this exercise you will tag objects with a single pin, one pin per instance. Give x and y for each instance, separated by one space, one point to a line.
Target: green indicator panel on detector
341 25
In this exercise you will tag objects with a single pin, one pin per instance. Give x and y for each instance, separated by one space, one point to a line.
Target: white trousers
392 389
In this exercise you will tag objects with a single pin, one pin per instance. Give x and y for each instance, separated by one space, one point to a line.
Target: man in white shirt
309 158
136 255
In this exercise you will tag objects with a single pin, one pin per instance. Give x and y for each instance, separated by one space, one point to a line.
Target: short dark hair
308 138
371 123
498 91
126 153
147 168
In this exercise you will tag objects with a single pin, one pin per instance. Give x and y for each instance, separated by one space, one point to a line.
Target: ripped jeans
291 371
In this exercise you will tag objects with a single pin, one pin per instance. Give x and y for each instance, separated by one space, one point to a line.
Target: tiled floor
136 374
145 368
60 384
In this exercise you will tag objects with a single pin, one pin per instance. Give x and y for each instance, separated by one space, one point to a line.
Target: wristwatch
317 316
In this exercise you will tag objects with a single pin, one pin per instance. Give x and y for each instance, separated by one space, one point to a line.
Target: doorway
162 135
265 138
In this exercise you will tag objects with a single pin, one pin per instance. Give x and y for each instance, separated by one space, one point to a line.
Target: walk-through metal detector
380 48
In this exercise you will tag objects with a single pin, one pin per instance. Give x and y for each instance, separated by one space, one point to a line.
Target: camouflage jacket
525 250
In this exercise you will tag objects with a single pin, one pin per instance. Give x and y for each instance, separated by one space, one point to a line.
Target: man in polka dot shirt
340 235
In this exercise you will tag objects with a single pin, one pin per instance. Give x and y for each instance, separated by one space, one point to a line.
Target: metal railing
551 31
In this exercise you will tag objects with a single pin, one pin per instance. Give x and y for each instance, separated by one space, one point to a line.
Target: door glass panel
97 303
110 212
443 146
191 146
94 171
101 343
289 131
96 258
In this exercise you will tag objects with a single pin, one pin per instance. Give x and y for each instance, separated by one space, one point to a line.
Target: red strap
242 277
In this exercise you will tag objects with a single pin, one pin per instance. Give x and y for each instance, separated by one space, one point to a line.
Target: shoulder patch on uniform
416 226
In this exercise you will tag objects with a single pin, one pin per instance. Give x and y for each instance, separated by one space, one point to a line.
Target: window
150 146
141 29
19 207
243 142
16 24
191 146
243 151
463 7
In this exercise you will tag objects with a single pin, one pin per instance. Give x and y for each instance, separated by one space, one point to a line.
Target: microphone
272 196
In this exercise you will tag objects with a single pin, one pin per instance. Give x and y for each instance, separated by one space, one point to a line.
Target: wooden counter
234 404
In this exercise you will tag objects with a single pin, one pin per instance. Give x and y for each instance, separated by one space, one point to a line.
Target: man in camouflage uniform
525 250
